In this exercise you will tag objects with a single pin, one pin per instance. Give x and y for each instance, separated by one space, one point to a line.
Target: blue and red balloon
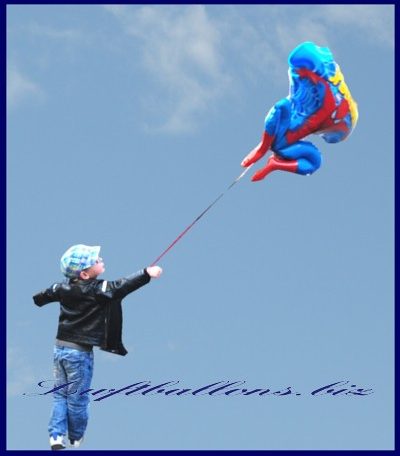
319 102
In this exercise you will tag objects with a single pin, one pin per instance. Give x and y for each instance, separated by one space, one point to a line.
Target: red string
199 217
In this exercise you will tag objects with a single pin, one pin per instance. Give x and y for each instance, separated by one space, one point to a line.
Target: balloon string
200 216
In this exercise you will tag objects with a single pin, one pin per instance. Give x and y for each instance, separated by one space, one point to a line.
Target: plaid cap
77 258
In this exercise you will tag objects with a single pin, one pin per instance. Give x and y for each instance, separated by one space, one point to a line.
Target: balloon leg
274 163
307 155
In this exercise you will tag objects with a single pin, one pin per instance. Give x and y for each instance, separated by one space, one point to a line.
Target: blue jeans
70 409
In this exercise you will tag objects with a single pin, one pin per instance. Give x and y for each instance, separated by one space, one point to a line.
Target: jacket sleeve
118 289
49 295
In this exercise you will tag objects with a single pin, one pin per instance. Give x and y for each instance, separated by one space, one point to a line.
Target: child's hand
154 271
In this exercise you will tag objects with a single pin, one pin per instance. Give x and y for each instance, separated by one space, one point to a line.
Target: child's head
82 262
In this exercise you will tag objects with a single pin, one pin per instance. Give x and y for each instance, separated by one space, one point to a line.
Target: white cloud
195 55
20 87
376 21
287 26
180 49
304 29
263 43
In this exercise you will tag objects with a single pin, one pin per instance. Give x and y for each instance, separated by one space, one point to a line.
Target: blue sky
123 124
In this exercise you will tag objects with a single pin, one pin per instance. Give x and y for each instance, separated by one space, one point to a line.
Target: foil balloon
319 102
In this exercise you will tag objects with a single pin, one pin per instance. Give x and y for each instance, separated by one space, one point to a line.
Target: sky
124 122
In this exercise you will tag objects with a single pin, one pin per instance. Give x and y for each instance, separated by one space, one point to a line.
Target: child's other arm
51 294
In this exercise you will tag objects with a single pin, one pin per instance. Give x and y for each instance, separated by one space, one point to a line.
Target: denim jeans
70 409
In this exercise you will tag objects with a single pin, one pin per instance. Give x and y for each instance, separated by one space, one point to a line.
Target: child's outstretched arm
118 289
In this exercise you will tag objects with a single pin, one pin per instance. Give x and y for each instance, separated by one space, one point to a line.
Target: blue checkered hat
77 258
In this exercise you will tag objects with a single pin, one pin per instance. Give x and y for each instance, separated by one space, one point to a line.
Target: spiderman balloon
319 102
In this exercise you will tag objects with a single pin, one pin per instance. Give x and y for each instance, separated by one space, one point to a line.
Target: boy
90 314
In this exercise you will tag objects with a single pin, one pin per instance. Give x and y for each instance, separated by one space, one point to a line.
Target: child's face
94 271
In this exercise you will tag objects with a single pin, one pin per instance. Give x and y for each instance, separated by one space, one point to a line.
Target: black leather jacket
91 311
